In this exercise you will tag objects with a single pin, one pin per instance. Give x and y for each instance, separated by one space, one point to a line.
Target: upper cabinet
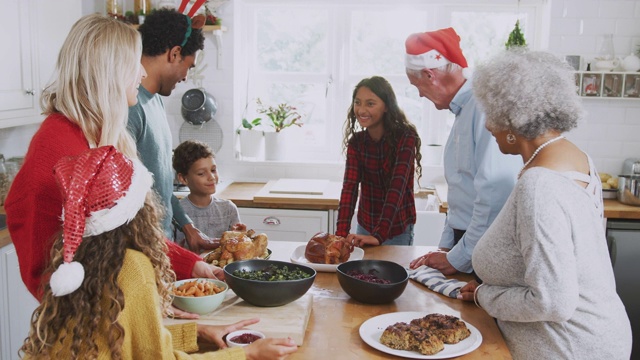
18 91
34 30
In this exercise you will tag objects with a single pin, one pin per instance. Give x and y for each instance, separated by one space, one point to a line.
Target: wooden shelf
612 85
204 28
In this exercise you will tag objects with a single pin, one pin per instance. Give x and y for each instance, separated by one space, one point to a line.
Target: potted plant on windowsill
280 117
251 138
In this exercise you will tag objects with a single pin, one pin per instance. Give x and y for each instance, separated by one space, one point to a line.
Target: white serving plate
297 257
372 329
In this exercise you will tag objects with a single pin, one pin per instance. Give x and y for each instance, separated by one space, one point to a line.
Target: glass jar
115 8
606 48
142 7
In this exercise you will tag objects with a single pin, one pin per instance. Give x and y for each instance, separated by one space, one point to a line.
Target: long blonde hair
98 61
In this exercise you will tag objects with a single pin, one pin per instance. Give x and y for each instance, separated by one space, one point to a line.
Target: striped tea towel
436 281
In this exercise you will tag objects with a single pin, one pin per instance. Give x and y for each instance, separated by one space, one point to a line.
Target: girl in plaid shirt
383 153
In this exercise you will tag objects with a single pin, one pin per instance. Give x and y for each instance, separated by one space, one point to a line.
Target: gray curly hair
529 92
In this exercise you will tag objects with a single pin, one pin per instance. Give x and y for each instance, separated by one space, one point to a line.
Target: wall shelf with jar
610 85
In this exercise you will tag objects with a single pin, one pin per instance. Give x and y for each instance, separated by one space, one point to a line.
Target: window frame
338 75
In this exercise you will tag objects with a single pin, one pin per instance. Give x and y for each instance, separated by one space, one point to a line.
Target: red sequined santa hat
101 189
433 49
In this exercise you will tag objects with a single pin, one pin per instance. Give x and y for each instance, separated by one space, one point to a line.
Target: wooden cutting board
289 320
330 195
299 186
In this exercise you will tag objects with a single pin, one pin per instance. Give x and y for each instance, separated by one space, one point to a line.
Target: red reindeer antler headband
195 22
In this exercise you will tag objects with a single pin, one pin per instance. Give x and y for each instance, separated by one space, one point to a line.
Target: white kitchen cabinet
284 224
19 80
34 30
16 305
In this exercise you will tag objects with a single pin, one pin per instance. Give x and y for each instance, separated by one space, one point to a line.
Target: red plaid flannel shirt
383 212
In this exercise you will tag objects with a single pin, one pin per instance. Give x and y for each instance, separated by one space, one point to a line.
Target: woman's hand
466 292
181 314
202 269
361 240
270 349
215 333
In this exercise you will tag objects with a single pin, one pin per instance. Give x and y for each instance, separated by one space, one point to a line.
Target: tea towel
436 281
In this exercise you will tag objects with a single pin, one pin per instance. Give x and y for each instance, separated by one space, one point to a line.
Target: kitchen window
312 54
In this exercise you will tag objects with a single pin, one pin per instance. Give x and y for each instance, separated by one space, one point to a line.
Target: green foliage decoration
282 116
516 38
251 124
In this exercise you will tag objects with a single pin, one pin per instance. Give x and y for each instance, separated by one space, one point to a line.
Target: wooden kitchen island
333 328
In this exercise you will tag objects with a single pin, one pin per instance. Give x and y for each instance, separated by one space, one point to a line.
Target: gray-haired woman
544 262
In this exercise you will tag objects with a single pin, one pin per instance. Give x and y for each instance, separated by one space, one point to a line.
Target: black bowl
267 293
373 293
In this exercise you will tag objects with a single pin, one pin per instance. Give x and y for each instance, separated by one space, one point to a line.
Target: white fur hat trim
67 278
430 60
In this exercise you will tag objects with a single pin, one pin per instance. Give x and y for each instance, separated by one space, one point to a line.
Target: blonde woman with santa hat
478 175
109 273
97 77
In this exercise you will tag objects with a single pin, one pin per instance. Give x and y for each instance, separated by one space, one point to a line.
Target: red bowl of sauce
243 337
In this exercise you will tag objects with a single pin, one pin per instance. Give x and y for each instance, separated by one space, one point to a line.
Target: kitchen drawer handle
271 220
30 92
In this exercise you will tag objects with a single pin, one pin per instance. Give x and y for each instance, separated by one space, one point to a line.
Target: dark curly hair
165 28
189 152
394 120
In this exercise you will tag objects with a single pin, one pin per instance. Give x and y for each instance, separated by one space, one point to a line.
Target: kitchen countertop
333 328
5 239
242 193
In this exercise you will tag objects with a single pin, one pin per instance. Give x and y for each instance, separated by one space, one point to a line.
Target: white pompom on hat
102 189
434 49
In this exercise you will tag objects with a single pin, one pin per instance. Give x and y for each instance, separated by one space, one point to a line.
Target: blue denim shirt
478 175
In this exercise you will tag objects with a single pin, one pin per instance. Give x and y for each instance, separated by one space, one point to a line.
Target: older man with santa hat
478 175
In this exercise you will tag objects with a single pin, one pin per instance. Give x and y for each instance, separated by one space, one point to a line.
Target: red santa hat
102 189
433 49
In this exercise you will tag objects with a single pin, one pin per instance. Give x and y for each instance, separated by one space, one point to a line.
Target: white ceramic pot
251 143
631 63
605 65
275 146
432 155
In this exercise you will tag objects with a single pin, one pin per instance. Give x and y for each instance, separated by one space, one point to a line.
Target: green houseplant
516 37
282 115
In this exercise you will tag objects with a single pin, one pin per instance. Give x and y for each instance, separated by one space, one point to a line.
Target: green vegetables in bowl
272 273
268 282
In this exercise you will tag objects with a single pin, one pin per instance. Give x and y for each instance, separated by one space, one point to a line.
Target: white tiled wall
610 132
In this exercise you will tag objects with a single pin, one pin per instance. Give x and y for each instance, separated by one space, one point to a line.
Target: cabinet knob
271 220
30 92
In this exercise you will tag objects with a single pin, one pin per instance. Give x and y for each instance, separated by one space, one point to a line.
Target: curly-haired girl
383 153
109 274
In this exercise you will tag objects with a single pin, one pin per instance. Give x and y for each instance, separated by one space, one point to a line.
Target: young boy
195 165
